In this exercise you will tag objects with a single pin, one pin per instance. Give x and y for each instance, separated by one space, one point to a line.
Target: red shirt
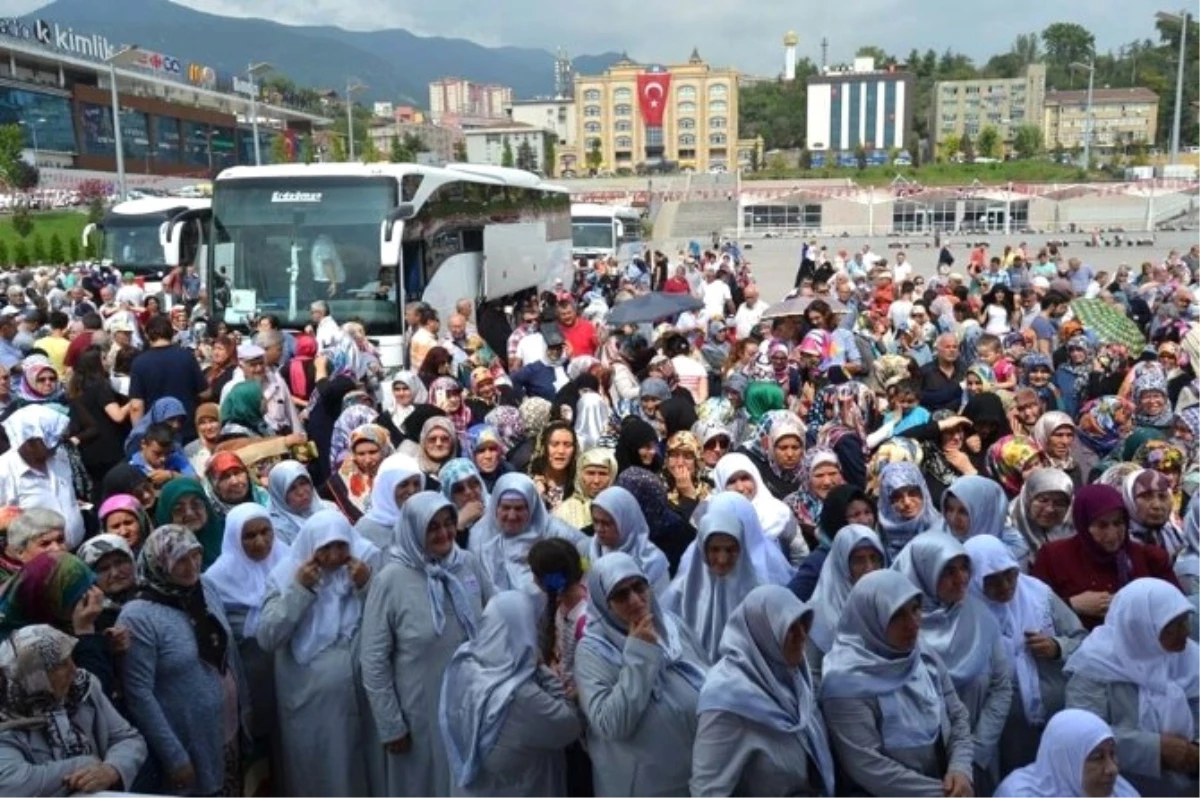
676 285
1070 568
580 338
76 348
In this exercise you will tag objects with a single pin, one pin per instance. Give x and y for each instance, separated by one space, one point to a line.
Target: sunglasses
717 443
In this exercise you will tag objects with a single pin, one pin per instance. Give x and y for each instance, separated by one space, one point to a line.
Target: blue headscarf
161 411
408 548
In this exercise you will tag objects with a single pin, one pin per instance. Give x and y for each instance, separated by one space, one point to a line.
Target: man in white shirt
718 300
902 271
869 258
36 472
130 293
327 264
325 328
750 312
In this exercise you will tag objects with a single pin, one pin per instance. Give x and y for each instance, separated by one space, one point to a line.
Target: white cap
250 352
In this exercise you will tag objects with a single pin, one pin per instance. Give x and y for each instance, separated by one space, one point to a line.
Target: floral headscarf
850 409
893 450
535 412
1103 422
985 374
31 368
1046 426
1010 457
166 546
455 471
485 435
26 659
771 428
439 393
353 416
1081 372
357 484
1165 457
508 424
687 442
1149 380
804 503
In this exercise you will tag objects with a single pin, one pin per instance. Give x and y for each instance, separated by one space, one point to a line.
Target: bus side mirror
620 228
401 213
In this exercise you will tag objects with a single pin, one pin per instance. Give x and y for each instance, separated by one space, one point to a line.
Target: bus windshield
133 245
281 244
592 234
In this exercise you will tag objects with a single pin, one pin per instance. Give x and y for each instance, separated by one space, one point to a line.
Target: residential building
439 140
555 115
1120 118
634 114
452 99
487 145
968 106
857 106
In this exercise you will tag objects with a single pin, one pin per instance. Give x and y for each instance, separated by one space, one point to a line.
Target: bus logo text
296 196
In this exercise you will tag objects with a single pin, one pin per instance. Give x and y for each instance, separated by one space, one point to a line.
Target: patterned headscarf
1082 371
850 409
439 393
1103 422
26 659
773 427
353 416
1147 381
1165 457
357 484
1010 457
893 450
1046 426
985 374
482 435
46 590
509 425
804 503
535 412
166 546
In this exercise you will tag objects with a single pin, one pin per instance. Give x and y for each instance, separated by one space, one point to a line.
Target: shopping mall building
176 118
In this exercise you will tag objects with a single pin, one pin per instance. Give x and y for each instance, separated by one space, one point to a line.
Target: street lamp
251 71
122 56
1090 66
33 126
1182 19
352 87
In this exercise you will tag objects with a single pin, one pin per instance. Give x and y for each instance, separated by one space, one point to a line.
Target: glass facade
135 133
46 116
167 145
763 218
96 124
195 145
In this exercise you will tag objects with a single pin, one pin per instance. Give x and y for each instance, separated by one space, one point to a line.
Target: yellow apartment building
1120 118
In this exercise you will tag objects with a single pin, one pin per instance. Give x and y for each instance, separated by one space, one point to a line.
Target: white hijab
765 553
336 612
833 585
1125 649
1028 611
773 514
505 558
634 535
396 468
35 421
238 580
1069 738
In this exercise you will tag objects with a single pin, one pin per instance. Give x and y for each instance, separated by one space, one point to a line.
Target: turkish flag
652 95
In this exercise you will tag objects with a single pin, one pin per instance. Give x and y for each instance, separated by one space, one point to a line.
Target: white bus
135 232
387 234
605 231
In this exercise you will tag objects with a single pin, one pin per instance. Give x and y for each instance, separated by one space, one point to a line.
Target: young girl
558 570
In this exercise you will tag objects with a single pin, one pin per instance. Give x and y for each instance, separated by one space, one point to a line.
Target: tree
12 143
949 147
37 250
397 153
1027 141
777 164
755 159
506 155
279 149
460 150
25 176
4 258
551 164
55 251
337 148
370 151
989 145
966 147
21 253
805 160
860 157
1066 42
95 210
22 220
595 157
526 158
880 55
73 249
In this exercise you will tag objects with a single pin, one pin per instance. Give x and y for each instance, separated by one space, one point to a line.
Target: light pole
1182 19
1090 66
33 126
112 62
352 87
251 71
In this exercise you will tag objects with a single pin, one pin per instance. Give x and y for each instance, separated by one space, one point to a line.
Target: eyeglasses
717 443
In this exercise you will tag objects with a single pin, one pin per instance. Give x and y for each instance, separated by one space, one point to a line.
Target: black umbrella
651 307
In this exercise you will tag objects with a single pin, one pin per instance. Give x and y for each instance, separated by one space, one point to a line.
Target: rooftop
1137 94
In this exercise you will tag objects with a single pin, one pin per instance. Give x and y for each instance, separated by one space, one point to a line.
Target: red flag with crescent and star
652 95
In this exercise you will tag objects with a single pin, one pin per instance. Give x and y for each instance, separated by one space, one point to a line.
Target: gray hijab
833 586
408 549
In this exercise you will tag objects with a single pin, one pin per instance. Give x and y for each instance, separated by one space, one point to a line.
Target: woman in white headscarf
1039 633
422 606
1041 512
973 506
894 719
855 552
593 420
293 499
639 670
407 392
398 477
956 626
760 731
310 620
515 519
714 578
1077 758
504 717
770 563
737 472
249 552
1139 672
618 525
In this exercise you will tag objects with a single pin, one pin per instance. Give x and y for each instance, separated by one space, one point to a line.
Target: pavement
774 260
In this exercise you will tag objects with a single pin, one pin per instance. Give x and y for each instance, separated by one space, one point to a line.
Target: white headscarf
419 396
505 558
408 548
705 602
1039 481
962 634
753 681
1069 738
35 421
1029 611
336 612
861 663
634 534
481 681
833 585
396 468
987 507
238 580
773 514
765 553
592 416
1125 648
287 521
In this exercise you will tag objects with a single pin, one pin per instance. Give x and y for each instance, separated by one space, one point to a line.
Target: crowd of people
903 537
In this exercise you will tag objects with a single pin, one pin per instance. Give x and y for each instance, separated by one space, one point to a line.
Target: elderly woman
1077 757
487 448
183 685
842 506
736 472
463 486
421 607
59 734
436 445
1039 634
504 717
349 487
956 626
760 731
639 671
905 506
1138 672
1041 511
229 483
1148 500
894 719
32 532
777 449
310 620
184 502
399 477
516 518
113 561
293 499
595 470
619 525
856 552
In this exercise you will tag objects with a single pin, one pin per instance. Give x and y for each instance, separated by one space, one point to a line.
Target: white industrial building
859 106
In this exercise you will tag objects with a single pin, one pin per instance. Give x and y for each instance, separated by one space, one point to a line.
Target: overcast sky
746 34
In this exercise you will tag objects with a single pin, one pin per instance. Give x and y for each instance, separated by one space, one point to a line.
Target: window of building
591 96
622 95
494 138
717 123
135 133
687 139
765 218
47 116
687 154
654 138
223 143
592 142
196 151
623 110
718 91
591 110
718 107
96 122
622 126
687 124
716 138
685 93
624 142
687 108
588 127
167 147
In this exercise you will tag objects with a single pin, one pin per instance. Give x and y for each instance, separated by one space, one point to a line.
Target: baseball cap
120 324
250 352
